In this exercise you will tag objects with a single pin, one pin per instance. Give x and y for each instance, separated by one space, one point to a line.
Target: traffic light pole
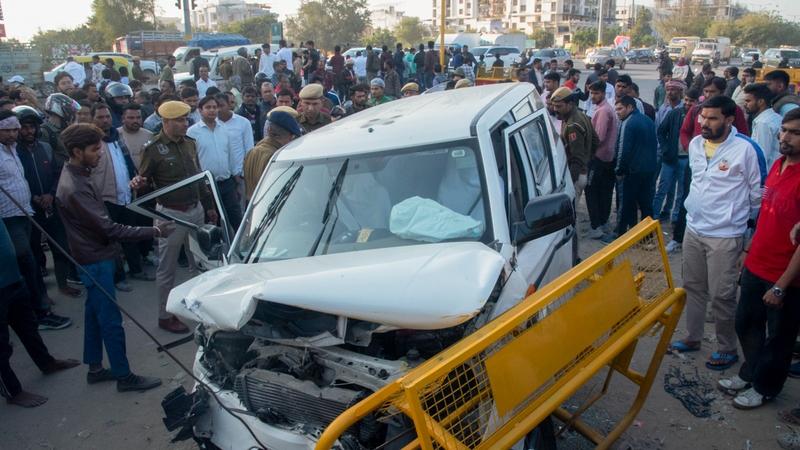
187 20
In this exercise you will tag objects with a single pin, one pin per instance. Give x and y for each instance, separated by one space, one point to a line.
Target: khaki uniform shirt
309 126
256 162
580 141
166 162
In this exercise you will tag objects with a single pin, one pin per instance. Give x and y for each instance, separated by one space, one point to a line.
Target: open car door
209 244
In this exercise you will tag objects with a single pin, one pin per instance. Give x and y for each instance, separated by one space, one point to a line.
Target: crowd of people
714 156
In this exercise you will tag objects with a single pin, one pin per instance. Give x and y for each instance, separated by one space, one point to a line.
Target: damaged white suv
370 245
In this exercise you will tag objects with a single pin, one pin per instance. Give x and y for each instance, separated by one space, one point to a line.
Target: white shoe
748 399
595 233
674 247
733 385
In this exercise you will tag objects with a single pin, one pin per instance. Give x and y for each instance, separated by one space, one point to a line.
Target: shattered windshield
368 201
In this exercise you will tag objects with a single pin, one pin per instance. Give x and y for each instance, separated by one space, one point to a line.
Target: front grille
285 397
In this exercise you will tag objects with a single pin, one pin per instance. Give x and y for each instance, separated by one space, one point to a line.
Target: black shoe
52 321
137 383
100 376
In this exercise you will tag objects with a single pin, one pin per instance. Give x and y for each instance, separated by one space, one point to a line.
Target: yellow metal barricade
494 386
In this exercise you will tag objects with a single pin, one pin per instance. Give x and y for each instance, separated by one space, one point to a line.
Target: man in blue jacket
636 162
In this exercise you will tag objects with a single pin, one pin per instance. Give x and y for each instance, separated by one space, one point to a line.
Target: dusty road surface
79 416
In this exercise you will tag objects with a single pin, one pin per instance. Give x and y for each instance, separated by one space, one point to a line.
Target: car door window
537 148
520 183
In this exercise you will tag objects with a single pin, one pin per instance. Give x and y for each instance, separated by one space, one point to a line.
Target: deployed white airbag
423 219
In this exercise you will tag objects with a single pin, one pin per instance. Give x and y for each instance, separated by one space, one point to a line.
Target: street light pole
600 24
187 21
441 35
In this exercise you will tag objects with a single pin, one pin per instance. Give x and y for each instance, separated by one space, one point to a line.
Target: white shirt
120 173
240 134
76 71
213 149
203 85
766 126
360 66
265 64
285 54
97 72
12 178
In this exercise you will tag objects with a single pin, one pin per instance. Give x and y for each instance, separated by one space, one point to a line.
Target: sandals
722 360
683 347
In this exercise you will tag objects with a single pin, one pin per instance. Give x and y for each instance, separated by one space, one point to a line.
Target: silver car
603 54
774 56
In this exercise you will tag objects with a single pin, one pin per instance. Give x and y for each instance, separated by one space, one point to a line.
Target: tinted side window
537 147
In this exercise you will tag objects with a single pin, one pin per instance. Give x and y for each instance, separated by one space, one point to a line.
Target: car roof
410 122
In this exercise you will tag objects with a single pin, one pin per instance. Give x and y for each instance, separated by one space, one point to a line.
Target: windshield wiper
333 195
275 206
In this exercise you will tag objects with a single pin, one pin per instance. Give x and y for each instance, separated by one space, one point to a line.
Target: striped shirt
12 178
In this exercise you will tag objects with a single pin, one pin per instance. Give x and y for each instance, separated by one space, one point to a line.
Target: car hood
429 286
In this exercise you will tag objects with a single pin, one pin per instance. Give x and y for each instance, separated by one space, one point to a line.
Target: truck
24 60
682 47
149 44
712 50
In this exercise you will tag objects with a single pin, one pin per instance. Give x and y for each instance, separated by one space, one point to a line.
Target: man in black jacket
42 172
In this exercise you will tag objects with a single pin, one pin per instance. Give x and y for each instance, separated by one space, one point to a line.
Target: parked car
215 58
351 52
746 54
549 54
640 56
356 262
48 86
603 54
149 67
509 55
774 56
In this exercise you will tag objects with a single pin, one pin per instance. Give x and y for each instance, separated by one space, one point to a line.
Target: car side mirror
545 215
210 240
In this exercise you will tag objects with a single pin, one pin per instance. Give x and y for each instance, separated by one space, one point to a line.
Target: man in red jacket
691 124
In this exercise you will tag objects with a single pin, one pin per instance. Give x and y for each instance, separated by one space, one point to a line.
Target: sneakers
732 385
100 376
749 399
794 370
139 383
606 227
123 286
52 321
595 233
789 441
674 246
73 280
609 238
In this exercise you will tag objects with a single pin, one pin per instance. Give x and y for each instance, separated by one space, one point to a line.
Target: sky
23 18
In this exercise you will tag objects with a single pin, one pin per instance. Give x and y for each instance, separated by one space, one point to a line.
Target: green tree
114 18
329 22
692 22
642 31
758 30
543 38
256 29
609 33
410 31
52 42
584 38
381 37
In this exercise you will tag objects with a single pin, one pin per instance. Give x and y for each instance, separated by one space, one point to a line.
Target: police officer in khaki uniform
282 129
312 116
169 158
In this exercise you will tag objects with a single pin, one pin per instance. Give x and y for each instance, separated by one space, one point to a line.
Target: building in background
385 16
210 14
561 17
718 9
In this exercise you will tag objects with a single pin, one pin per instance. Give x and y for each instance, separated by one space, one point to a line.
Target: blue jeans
667 186
103 321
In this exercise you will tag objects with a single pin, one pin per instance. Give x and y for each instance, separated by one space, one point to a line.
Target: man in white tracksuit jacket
728 170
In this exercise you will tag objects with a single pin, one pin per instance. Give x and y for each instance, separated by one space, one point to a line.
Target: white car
370 245
352 52
509 55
